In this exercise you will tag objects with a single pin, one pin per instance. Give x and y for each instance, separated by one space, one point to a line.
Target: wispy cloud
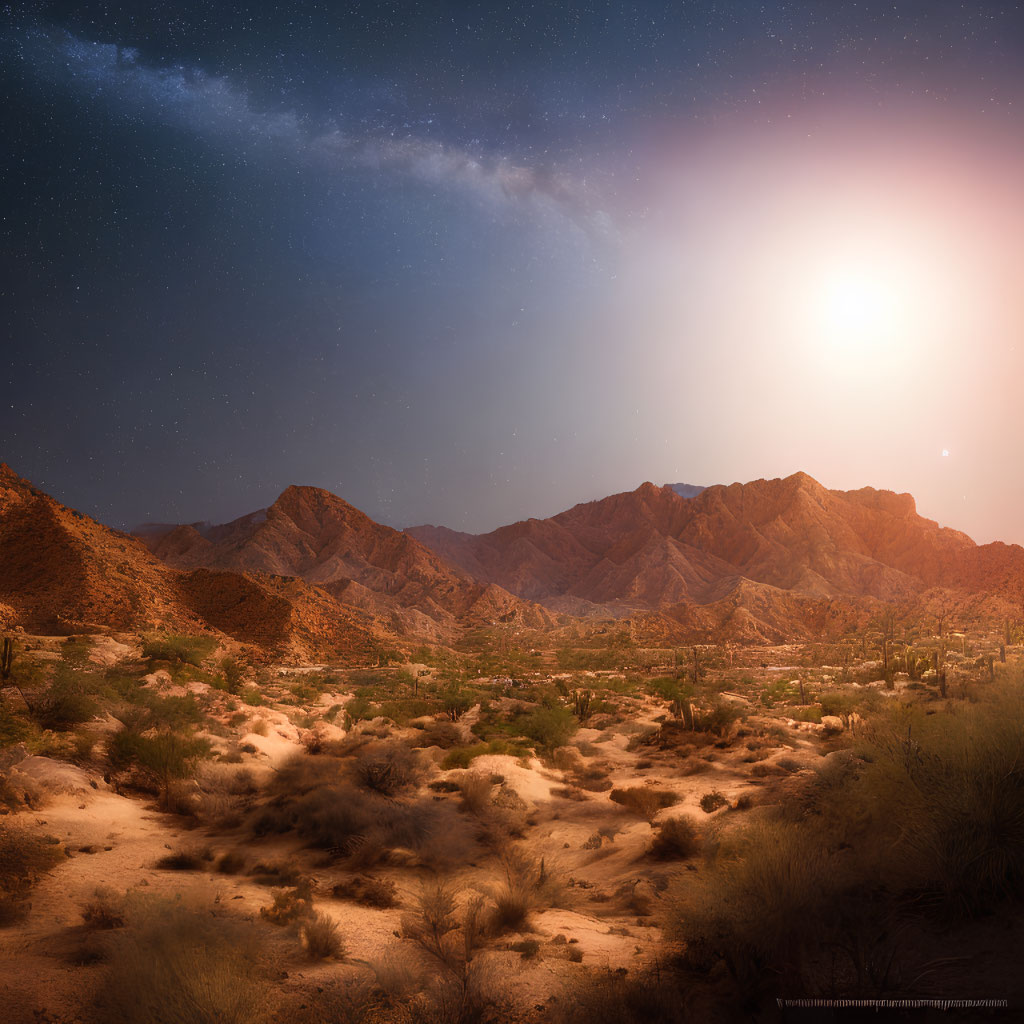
216 108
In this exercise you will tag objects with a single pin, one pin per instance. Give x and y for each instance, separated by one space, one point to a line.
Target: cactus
6 659
581 704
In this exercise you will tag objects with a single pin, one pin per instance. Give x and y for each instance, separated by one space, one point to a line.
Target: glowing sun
857 305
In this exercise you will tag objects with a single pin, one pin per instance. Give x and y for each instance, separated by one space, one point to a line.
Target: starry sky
465 263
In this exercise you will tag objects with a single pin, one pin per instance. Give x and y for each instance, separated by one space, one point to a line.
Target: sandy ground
598 848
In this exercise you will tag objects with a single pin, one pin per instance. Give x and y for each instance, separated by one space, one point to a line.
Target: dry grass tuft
675 839
177 963
645 801
321 938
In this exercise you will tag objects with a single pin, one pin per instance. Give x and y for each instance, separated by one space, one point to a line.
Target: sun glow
855 305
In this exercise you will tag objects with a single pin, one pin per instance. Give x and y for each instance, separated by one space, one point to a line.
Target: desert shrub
710 802
615 997
569 793
275 874
567 758
388 768
443 786
527 948
449 935
19 790
550 727
231 863
463 757
952 786
64 704
232 674
175 964
718 719
439 734
156 759
528 885
181 860
644 800
768 905
104 911
367 891
475 789
24 859
456 701
181 650
594 779
321 938
14 728
347 1002
446 937
288 905
362 825
676 838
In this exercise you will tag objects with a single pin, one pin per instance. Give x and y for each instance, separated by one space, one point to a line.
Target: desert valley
673 755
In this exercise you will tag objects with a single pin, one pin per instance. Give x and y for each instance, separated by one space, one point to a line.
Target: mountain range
310 575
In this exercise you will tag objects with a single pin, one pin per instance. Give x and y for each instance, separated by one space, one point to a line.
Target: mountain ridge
310 573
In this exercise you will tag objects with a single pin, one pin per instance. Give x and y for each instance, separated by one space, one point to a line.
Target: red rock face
312 576
316 536
64 572
650 548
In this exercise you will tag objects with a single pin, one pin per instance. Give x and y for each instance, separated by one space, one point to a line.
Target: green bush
463 757
156 759
550 727
64 704
179 650
252 696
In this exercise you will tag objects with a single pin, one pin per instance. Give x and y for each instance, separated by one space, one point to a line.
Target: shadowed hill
315 535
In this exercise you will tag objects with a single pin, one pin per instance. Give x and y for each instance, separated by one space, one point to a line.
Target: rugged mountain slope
315 535
652 548
64 572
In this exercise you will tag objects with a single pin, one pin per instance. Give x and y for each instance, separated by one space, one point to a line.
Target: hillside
64 573
653 548
318 537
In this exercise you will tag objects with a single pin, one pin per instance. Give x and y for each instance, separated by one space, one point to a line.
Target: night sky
466 263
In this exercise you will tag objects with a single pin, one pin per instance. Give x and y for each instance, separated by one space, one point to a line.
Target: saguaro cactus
581 704
6 659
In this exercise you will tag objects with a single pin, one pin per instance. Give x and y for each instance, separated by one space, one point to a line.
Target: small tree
456 702
161 758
